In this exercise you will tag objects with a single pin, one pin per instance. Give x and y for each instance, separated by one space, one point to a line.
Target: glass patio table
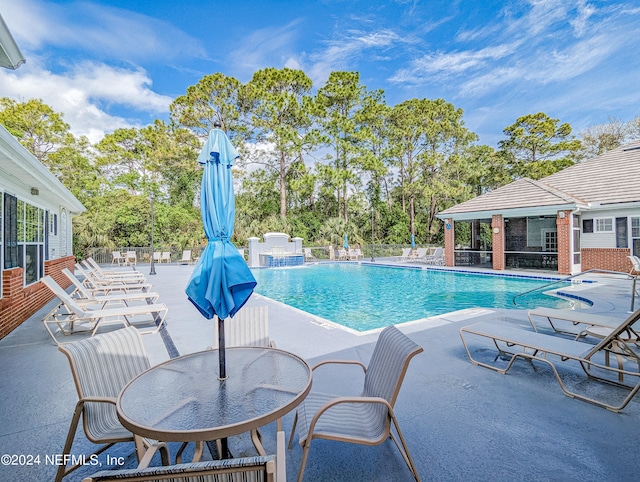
182 399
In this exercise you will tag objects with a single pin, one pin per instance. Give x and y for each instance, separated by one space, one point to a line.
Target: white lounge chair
105 286
435 258
93 265
72 318
407 254
422 254
513 343
579 319
86 297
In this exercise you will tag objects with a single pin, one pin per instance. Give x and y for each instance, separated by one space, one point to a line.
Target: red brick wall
498 241
18 302
564 242
614 259
449 243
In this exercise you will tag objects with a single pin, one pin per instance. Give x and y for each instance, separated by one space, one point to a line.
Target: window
587 226
604 225
635 235
30 239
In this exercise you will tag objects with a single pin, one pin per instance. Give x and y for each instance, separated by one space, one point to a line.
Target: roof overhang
10 55
19 166
515 212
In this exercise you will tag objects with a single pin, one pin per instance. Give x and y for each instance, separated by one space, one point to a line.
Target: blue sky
120 63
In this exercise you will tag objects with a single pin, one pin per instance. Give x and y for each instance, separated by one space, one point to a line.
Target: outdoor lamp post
153 268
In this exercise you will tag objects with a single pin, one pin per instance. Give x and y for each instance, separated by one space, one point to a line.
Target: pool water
364 297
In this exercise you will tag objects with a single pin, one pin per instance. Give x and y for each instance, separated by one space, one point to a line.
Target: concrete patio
461 422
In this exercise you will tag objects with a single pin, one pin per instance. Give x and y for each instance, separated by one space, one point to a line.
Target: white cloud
81 93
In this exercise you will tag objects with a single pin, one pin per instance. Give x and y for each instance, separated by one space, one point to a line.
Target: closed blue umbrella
413 241
346 241
221 281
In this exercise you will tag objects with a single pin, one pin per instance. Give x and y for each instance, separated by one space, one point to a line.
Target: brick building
584 217
35 232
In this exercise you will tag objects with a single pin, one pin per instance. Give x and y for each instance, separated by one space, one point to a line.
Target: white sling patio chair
186 257
72 318
166 257
593 360
407 254
101 367
571 319
248 327
84 296
117 258
368 418
268 468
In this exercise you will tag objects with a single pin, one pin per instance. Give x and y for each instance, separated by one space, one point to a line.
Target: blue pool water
364 297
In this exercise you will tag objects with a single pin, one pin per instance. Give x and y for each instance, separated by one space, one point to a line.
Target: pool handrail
589 271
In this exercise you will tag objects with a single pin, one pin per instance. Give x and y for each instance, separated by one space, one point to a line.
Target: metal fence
143 254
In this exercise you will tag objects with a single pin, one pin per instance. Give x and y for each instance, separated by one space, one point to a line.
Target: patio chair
355 254
248 327
308 255
186 257
101 367
157 255
85 296
342 255
368 418
166 257
268 468
93 265
131 258
70 317
635 265
513 343
117 258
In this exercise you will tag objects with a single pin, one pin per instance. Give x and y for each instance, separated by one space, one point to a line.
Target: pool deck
461 421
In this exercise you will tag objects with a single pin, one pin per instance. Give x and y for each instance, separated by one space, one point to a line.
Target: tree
428 147
35 125
339 101
537 146
213 99
276 101
598 139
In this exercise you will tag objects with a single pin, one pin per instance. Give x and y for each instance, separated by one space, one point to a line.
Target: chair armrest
339 362
111 400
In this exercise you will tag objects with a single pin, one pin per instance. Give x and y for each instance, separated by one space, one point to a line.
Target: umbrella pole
221 351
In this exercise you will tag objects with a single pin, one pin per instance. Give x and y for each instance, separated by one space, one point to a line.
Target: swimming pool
364 297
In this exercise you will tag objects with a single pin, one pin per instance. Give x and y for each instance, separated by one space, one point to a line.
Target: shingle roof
609 178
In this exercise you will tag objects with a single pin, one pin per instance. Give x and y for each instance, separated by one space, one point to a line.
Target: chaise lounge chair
368 418
407 255
107 285
513 343
92 265
71 317
435 258
572 317
421 254
85 297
